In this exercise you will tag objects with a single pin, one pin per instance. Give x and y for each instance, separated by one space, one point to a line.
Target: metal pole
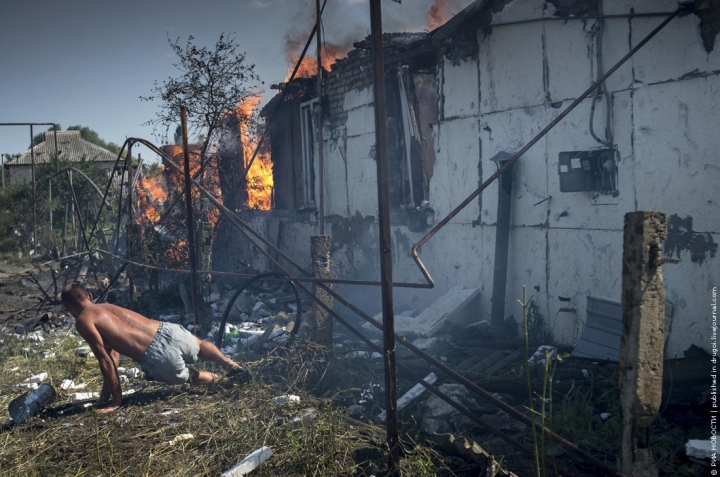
32 173
191 229
128 237
52 233
57 156
2 164
386 277
64 243
321 159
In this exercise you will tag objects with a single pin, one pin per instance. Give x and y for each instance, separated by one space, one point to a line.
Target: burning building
464 97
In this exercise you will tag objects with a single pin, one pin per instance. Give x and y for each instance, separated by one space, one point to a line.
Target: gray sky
87 62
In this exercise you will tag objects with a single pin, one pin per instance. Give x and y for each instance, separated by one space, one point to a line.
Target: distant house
71 147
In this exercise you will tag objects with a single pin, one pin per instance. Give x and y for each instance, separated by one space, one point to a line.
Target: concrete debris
472 451
133 373
363 355
539 356
304 419
699 449
35 336
38 378
24 387
440 416
249 463
75 397
425 343
82 351
459 306
70 384
409 396
170 318
180 438
285 398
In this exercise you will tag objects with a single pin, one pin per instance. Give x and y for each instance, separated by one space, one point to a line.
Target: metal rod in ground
192 255
383 186
130 228
321 159
81 224
57 156
32 174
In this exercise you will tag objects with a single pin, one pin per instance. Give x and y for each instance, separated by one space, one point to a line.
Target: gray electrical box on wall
587 171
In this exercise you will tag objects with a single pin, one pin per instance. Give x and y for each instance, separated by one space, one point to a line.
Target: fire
438 14
308 68
260 181
151 194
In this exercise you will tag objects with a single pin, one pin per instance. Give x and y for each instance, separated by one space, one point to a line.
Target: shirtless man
163 350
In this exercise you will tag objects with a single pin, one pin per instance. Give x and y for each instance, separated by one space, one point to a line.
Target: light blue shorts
166 359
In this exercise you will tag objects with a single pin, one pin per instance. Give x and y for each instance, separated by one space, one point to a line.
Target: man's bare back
122 330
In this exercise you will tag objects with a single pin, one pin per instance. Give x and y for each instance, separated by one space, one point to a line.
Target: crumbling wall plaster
460 88
455 173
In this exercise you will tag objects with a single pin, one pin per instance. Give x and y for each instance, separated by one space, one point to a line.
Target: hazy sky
87 62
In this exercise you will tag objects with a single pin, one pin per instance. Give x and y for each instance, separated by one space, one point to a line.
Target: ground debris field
149 434
333 430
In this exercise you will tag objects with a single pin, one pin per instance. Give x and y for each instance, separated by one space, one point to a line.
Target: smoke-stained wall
563 246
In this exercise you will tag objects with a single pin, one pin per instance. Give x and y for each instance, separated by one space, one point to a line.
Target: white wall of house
664 119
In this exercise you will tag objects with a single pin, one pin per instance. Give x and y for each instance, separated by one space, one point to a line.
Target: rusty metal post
192 253
320 246
641 345
130 230
321 157
386 277
57 155
32 178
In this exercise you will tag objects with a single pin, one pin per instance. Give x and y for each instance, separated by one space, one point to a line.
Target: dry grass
228 422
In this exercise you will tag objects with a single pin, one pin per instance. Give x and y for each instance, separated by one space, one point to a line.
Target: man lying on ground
162 350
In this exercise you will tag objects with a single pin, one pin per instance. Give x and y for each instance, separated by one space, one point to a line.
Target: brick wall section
351 72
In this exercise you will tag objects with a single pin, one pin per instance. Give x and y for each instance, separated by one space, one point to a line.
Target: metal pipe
80 223
32 174
405 108
130 224
57 155
386 277
321 157
2 165
191 228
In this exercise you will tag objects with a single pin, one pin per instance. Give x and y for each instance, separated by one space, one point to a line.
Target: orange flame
308 67
151 194
260 180
438 14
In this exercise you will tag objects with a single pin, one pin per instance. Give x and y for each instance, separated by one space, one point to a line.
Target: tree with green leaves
211 84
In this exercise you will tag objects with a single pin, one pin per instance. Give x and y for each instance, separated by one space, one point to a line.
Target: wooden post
642 342
320 252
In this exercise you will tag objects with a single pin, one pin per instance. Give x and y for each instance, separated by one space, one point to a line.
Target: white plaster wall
511 68
455 175
509 131
336 183
677 149
460 88
580 263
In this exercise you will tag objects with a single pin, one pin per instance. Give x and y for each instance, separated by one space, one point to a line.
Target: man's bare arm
107 365
115 356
